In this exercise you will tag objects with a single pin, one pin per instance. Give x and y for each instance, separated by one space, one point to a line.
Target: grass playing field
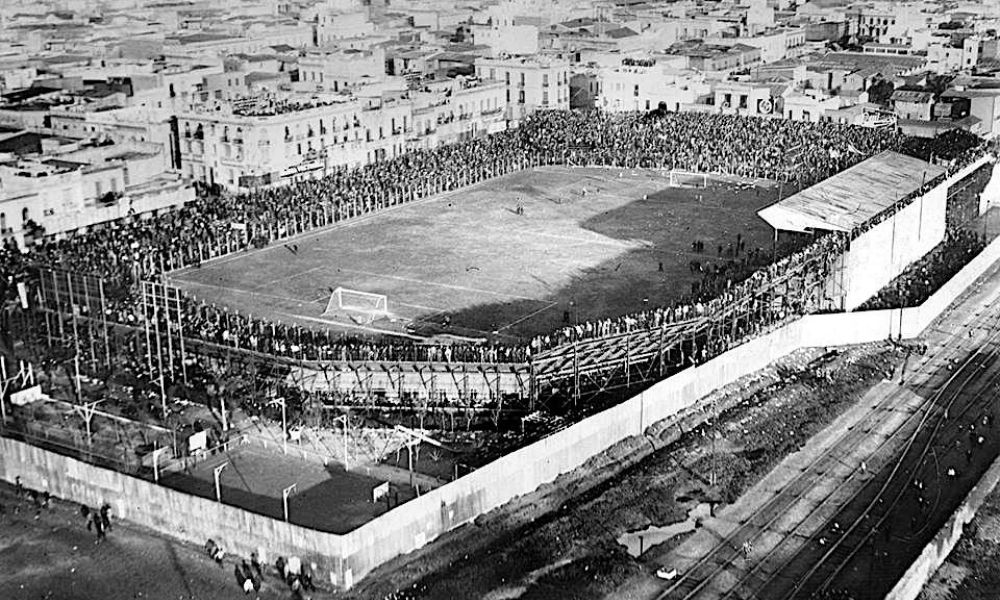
493 272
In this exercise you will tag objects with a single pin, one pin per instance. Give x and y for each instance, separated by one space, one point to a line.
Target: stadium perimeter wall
417 522
937 550
991 193
344 559
190 518
883 252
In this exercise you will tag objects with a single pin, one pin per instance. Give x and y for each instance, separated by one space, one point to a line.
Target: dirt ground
560 542
496 273
972 570
326 498
54 557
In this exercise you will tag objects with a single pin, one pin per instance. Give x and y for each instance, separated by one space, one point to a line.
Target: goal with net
688 179
343 300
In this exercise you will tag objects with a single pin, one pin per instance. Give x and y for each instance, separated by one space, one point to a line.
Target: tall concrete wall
938 549
421 520
991 194
347 558
180 515
882 253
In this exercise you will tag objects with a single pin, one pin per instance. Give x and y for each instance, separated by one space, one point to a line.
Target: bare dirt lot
54 557
325 496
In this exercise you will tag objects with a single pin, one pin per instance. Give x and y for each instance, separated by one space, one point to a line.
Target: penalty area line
527 316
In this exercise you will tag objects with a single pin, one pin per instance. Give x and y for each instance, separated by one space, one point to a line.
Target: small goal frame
355 301
691 179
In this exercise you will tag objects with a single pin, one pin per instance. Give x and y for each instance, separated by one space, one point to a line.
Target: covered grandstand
853 196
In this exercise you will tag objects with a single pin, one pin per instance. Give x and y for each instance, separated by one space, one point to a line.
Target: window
522 78
545 97
492 74
508 96
635 92
508 77
647 103
520 97
545 80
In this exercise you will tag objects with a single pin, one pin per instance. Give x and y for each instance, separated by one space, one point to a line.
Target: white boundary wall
881 254
410 526
937 550
415 523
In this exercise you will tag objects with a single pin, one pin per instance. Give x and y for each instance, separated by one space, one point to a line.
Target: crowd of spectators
777 149
124 252
921 279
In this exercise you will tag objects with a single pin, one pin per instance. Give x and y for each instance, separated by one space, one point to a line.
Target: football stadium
428 337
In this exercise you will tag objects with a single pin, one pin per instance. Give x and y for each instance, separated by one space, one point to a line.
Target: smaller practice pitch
326 498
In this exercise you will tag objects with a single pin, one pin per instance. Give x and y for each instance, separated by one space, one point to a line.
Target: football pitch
326 498
589 244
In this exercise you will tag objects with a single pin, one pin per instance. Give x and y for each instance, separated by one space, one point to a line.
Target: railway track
890 494
727 554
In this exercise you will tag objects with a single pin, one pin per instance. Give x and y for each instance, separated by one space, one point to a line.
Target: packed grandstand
124 253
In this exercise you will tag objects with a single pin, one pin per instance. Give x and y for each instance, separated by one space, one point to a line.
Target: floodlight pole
215 473
284 498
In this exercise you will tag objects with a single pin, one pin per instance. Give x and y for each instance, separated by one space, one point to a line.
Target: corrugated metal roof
851 197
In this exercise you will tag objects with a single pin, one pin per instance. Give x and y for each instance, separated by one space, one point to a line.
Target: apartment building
271 141
88 185
532 82
645 84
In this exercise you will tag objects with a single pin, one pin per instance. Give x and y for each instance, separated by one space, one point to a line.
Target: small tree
880 92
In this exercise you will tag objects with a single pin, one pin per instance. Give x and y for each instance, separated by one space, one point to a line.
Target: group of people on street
251 574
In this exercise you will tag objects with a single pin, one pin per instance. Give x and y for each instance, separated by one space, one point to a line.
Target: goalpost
688 179
345 300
